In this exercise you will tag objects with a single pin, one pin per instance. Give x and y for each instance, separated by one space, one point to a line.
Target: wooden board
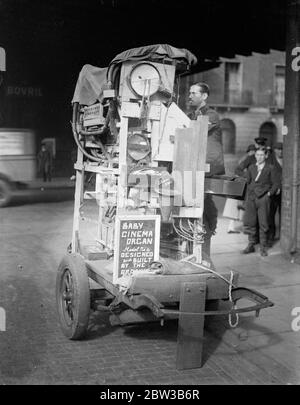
101 272
190 327
79 185
190 161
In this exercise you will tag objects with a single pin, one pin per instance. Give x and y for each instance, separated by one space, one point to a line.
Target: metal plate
93 115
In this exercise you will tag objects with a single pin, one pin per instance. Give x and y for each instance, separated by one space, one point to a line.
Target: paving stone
34 350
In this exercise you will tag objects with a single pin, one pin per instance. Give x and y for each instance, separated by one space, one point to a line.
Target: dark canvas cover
90 85
92 79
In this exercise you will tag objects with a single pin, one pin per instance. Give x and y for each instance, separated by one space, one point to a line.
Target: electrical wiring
181 235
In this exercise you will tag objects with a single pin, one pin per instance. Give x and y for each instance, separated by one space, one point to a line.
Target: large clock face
144 79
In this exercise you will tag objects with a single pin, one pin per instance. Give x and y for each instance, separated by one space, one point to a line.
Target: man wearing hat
251 149
275 201
244 164
260 141
246 160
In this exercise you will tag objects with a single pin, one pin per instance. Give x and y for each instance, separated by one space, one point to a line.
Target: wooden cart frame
86 282
153 297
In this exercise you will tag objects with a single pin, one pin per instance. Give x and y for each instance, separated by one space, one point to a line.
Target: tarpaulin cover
92 80
158 51
150 52
90 84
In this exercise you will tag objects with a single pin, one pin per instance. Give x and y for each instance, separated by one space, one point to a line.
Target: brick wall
248 123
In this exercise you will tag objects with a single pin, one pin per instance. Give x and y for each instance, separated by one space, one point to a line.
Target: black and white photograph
149 196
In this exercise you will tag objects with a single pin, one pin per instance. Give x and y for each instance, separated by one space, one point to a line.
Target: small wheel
73 296
5 193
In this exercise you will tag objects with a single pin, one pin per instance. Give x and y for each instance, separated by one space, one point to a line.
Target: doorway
268 130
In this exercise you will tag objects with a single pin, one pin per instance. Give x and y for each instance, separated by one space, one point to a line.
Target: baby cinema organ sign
136 244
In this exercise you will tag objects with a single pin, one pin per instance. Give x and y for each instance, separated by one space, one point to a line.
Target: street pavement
34 237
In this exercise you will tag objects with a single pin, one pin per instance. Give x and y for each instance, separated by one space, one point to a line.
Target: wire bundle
194 233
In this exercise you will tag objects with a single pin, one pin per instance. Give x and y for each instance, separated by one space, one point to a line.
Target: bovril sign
24 91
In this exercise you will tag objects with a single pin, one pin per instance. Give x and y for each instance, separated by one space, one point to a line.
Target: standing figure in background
262 184
249 159
275 203
198 95
45 163
245 163
234 209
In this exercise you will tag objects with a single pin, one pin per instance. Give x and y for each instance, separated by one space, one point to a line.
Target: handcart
140 179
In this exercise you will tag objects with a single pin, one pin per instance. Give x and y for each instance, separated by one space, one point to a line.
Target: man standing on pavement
262 183
45 162
198 95
244 164
275 203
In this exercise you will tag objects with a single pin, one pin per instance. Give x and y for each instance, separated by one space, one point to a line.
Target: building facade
32 99
248 94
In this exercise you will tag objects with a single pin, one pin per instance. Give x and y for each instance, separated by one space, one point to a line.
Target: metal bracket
252 295
137 302
260 300
140 301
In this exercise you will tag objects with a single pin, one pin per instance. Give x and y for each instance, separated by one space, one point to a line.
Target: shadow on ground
26 323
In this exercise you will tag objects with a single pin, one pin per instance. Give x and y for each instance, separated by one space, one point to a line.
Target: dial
144 79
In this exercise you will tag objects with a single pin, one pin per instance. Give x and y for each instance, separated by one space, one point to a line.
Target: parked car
17 161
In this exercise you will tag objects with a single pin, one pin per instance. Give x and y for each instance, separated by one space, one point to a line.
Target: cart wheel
73 296
5 193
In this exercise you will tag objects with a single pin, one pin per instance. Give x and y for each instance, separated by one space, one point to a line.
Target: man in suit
275 202
262 184
243 165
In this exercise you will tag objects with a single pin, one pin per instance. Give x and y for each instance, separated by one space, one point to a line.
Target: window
233 82
279 85
228 135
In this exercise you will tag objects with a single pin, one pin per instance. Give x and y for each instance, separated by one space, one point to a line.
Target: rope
230 284
234 306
